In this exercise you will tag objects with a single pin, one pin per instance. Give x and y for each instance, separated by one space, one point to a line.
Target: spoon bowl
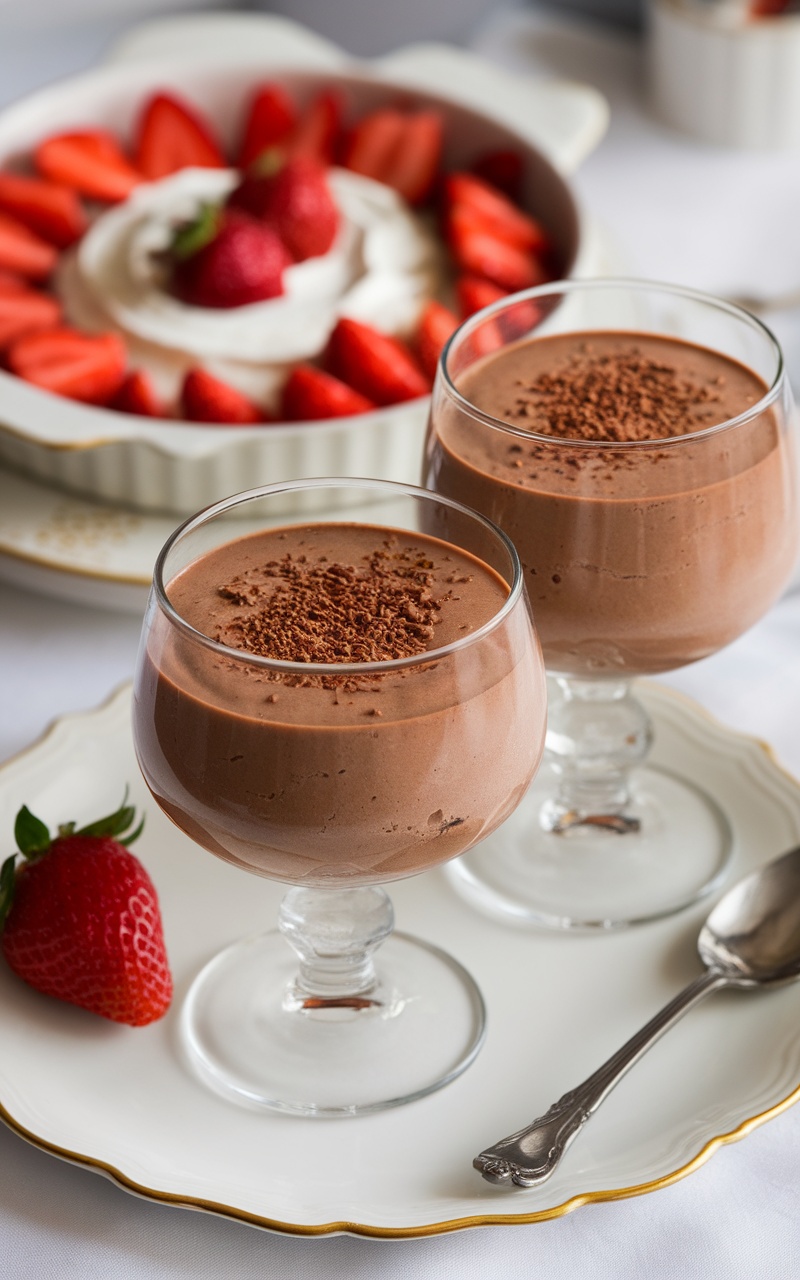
753 933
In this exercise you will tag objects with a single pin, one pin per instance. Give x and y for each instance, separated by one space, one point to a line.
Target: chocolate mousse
649 538
328 776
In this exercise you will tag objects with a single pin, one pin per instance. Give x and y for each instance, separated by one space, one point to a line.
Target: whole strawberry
292 196
227 259
80 918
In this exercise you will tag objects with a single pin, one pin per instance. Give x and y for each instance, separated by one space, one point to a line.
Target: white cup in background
725 77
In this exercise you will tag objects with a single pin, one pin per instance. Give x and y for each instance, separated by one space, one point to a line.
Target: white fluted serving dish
177 467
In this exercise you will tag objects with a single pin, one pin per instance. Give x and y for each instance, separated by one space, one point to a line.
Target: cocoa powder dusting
326 612
615 397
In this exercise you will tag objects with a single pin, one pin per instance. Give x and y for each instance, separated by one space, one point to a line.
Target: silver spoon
751 939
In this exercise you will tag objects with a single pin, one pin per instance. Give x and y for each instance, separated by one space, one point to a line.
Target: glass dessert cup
643 551
337 776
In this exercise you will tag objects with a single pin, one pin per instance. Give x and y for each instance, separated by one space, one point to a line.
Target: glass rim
389 487
773 393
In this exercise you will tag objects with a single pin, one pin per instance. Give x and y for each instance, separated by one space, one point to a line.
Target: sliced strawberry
205 398
474 293
493 212
91 162
382 368
415 162
46 208
23 252
12 282
374 142
68 363
481 253
271 118
25 311
522 317
319 128
137 395
173 135
435 327
311 394
504 170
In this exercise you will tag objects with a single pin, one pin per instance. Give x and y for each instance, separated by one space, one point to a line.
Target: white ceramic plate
120 1101
58 544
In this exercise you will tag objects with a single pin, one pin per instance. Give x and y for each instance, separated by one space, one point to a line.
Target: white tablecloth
678 211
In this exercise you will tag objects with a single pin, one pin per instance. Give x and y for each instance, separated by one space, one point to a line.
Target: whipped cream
383 266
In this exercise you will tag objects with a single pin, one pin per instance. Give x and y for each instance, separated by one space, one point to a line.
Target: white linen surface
678 211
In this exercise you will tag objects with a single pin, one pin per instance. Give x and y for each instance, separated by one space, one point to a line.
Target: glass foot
590 878
251 1038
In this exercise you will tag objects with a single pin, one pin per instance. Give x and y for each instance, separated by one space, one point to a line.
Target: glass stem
597 733
335 933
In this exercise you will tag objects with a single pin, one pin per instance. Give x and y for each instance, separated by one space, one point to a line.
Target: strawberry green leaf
191 237
8 877
115 824
31 834
128 841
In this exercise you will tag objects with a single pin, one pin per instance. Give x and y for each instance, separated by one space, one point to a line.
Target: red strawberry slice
72 364
271 118
373 143
46 208
311 394
435 327
481 253
414 164
292 196
80 919
173 135
25 311
91 162
319 129
137 395
12 282
493 212
474 293
205 398
504 169
23 252
382 368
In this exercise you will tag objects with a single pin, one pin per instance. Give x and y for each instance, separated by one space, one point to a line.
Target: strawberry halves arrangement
80 918
240 248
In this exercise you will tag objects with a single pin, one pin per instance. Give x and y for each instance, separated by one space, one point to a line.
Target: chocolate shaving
327 612
615 397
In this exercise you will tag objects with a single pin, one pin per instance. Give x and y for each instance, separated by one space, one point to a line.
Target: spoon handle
528 1157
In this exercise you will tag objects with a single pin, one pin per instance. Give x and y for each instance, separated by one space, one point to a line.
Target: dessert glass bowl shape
646 548
337 776
178 467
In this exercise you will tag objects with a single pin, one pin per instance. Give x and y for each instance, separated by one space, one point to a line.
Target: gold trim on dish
62 446
58 567
404 1233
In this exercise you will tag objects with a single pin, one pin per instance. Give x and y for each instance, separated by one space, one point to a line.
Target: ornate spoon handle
528 1157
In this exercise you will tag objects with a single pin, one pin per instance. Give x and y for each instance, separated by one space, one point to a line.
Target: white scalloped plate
119 1100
